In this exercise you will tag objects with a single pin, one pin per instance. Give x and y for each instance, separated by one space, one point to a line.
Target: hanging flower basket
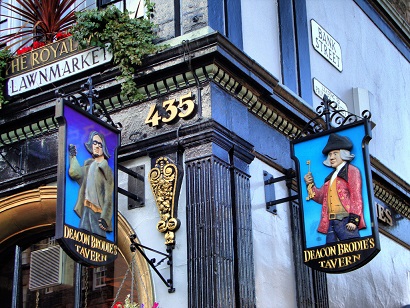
129 304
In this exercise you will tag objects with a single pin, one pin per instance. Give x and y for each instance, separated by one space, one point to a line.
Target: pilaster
219 226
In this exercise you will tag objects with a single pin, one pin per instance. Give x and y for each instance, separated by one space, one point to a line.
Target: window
84 4
135 7
3 22
103 3
99 277
51 241
9 21
48 290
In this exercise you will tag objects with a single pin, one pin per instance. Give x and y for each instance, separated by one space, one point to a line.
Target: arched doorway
28 216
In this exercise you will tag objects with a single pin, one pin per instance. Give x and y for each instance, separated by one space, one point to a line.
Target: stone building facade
252 73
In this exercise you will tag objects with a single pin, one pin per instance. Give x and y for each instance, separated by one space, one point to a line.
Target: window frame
99 277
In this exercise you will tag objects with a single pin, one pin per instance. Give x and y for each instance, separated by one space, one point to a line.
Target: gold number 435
175 109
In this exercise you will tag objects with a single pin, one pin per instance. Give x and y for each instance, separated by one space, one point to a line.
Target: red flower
23 50
38 44
61 35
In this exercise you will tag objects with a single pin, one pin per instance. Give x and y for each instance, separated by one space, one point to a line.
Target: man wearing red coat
341 194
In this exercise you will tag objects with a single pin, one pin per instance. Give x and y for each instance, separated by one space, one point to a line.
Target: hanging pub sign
86 223
340 231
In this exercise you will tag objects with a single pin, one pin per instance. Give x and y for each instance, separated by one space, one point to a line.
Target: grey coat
105 186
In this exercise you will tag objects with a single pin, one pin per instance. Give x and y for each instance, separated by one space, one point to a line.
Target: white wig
344 154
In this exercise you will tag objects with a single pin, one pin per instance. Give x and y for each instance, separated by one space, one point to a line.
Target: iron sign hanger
328 117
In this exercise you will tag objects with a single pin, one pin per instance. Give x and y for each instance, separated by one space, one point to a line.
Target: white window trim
99 281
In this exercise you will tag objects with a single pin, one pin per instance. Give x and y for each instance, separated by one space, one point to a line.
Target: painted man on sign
340 196
95 198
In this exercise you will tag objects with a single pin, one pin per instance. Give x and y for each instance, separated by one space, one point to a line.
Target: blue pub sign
86 224
340 232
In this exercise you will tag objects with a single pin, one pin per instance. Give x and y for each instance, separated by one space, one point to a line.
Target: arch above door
34 211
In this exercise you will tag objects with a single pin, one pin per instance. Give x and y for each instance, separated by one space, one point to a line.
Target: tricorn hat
337 142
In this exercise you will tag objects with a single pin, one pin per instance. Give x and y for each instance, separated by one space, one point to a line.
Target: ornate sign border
76 126
341 256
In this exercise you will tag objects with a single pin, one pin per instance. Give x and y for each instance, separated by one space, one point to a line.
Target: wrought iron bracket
153 263
328 116
128 193
270 197
88 101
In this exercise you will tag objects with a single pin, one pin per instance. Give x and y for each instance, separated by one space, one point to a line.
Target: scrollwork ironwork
88 101
328 116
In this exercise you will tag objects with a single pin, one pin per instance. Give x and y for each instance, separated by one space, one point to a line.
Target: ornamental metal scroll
87 99
332 116
164 181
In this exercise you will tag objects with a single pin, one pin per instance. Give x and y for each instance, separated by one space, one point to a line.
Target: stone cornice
28 181
390 188
169 71
187 136
391 199
28 129
389 11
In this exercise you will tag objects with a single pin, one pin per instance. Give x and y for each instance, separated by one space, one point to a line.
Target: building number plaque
182 108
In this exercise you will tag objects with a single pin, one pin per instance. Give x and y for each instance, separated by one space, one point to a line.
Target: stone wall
402 7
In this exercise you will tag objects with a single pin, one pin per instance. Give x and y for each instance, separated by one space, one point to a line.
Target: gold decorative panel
163 179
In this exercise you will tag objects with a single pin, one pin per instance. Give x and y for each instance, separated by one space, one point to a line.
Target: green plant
5 57
41 20
130 40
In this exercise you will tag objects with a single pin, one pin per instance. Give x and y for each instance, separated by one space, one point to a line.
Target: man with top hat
341 194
